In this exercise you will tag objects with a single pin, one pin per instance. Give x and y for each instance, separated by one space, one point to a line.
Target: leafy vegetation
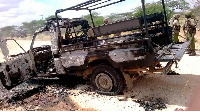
98 20
7 31
156 7
177 4
151 8
31 27
52 16
119 16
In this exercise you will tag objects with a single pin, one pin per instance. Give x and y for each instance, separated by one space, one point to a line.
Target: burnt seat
117 27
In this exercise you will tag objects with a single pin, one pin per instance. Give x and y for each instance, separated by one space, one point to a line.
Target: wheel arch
105 62
99 61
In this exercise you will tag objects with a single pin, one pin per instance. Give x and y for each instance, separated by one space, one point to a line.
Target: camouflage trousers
175 37
192 44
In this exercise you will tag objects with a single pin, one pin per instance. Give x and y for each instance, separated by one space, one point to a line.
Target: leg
175 37
192 45
188 38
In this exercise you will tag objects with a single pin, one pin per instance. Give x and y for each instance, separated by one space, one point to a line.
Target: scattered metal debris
172 73
42 93
153 104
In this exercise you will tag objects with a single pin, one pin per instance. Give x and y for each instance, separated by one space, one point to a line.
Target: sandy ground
174 90
25 44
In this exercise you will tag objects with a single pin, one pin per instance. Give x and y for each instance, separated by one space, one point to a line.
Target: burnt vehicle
108 62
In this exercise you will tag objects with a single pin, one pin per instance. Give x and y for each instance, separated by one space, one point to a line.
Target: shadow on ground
173 89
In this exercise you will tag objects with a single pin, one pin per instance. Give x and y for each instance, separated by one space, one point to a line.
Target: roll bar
97 4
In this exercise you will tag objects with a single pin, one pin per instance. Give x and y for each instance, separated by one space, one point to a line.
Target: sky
14 12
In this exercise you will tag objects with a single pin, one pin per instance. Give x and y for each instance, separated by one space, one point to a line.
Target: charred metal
146 42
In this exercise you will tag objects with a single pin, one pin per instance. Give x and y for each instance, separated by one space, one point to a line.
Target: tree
7 31
178 4
31 27
52 16
155 7
151 8
196 14
119 16
98 20
198 3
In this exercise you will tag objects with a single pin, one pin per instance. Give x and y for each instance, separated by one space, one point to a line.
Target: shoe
192 54
188 52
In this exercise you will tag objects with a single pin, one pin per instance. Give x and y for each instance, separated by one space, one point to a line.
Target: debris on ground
153 104
179 109
42 95
172 73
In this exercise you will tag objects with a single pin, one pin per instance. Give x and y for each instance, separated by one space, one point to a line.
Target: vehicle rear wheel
106 80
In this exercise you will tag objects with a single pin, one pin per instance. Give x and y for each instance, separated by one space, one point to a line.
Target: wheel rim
103 82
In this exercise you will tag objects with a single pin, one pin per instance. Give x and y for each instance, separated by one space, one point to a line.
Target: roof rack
91 5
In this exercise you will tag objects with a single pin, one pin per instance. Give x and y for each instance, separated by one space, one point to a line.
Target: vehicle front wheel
106 80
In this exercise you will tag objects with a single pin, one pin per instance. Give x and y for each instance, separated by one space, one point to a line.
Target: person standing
174 23
105 22
189 29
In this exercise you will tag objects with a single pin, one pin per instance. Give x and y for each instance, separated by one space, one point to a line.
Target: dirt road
175 90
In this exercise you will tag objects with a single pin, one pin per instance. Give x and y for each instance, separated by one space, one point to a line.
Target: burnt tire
106 80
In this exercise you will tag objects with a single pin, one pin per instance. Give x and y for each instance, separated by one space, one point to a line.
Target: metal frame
17 44
97 4
90 6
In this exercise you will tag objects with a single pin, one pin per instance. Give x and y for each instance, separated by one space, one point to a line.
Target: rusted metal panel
122 55
117 27
75 58
92 59
161 71
59 66
85 73
54 40
55 49
20 65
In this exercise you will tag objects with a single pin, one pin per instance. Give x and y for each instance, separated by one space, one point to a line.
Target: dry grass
40 37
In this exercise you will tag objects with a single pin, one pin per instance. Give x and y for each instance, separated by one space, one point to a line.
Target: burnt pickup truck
87 51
